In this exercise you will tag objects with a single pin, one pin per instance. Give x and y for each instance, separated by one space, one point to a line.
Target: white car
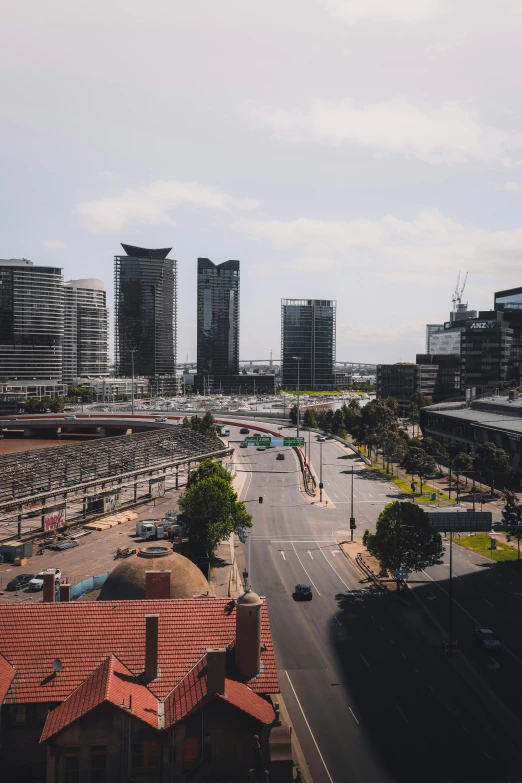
161 419
321 439
36 582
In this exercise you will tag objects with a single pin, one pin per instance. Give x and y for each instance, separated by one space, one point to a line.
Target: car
36 583
161 419
257 435
22 580
486 639
261 448
244 431
280 455
69 418
321 439
303 592
243 445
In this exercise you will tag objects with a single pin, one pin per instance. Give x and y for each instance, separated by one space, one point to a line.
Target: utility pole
451 595
298 359
132 385
320 471
352 518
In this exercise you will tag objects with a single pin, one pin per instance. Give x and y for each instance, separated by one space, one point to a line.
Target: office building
308 331
31 321
447 384
448 340
404 382
486 353
145 288
86 330
430 330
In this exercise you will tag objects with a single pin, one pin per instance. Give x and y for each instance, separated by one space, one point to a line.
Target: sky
358 150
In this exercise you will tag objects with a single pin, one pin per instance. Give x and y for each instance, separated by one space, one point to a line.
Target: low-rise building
404 381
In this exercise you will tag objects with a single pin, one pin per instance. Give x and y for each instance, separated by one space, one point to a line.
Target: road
369 698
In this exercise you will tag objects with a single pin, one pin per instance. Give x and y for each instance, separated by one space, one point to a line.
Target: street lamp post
132 384
298 359
320 471
352 518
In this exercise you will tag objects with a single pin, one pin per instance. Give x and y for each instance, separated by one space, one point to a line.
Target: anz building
486 351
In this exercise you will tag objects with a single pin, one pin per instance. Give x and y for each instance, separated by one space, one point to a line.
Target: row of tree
205 424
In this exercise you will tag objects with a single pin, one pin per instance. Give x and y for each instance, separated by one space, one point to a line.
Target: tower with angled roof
145 309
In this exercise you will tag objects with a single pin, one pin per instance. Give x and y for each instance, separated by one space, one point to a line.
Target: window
20 714
145 756
71 764
98 763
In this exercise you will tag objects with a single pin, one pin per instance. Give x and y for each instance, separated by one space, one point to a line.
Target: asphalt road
370 699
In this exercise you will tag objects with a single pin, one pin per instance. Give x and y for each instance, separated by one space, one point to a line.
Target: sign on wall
157 487
53 518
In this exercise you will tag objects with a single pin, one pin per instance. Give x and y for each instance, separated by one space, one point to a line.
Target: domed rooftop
127 580
249 599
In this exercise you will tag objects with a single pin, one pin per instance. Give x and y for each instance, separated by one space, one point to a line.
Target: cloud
396 249
54 244
352 12
310 263
513 187
435 134
439 47
153 205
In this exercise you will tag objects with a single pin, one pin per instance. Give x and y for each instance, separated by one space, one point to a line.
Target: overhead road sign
293 441
259 441
460 521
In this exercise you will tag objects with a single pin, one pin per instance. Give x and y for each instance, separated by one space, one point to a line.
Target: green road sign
259 441
293 441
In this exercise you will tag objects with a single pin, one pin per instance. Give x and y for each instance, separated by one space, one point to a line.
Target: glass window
98 763
145 756
71 764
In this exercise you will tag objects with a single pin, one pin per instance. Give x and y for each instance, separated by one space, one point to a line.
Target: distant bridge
370 369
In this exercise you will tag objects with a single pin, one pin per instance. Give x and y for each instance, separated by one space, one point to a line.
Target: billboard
460 521
157 487
53 518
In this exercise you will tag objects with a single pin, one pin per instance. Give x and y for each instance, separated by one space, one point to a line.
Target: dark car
280 455
303 592
244 430
20 581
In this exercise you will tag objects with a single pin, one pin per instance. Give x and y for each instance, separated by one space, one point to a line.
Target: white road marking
310 554
309 729
284 558
489 602
402 714
304 569
465 729
337 621
333 569
416 671
353 714
364 659
336 551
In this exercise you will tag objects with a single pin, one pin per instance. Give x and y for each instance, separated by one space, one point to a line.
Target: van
224 430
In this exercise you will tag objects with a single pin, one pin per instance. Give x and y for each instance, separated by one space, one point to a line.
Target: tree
207 425
393 447
206 469
461 463
492 461
293 414
310 419
404 539
417 462
211 512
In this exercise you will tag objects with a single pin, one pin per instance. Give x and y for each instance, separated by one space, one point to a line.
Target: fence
86 586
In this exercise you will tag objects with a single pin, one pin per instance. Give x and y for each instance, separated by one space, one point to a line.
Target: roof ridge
183 678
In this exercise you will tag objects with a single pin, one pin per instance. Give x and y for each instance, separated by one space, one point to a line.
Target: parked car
486 639
303 593
161 419
280 455
244 431
36 583
20 581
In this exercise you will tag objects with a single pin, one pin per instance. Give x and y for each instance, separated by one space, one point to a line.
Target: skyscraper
432 329
218 319
31 321
86 330
308 331
145 309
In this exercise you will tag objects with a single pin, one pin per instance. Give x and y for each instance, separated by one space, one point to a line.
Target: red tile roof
7 674
83 635
112 683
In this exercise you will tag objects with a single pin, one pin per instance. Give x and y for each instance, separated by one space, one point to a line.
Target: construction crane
457 294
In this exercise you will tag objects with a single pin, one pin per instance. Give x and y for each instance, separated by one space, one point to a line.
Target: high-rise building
308 331
430 330
145 310
405 381
218 318
31 321
86 330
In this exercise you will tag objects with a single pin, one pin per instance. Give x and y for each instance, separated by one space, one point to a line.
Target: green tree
310 419
512 514
492 462
293 414
207 425
56 404
394 447
463 462
418 463
404 540
206 469
211 512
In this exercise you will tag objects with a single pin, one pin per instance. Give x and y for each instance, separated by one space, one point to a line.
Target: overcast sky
358 150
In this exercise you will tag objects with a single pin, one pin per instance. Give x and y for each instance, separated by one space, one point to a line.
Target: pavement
370 697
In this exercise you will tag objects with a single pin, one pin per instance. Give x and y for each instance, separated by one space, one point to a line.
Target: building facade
404 382
86 330
31 321
486 352
432 329
447 385
308 330
145 305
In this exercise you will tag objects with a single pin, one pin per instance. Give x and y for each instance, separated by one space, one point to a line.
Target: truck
221 429
150 529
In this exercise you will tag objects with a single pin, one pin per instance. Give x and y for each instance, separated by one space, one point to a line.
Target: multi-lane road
371 700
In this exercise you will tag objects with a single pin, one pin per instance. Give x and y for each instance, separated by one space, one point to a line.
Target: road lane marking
333 569
364 659
489 602
353 714
416 671
304 569
465 729
284 558
310 554
309 729
402 714
338 621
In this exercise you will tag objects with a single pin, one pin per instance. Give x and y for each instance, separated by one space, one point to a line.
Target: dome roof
249 598
127 580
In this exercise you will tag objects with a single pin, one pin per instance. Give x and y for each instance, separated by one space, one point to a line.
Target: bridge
368 368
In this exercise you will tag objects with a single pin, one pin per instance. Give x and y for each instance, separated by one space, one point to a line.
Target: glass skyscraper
145 294
308 331
218 320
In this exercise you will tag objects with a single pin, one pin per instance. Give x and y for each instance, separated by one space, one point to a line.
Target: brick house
148 690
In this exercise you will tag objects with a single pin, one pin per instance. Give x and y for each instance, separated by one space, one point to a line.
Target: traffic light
260 500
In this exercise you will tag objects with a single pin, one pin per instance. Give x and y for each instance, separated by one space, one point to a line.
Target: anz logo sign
484 325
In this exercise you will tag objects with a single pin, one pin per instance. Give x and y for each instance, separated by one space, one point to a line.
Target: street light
298 359
320 471
133 350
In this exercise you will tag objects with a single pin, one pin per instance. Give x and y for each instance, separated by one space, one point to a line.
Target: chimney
216 670
248 634
65 593
157 584
151 647
48 587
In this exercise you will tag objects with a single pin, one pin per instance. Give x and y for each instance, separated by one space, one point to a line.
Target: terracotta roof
242 697
111 683
7 674
83 635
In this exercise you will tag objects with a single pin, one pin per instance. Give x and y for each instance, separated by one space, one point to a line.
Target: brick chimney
216 670
65 593
151 647
48 587
157 584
